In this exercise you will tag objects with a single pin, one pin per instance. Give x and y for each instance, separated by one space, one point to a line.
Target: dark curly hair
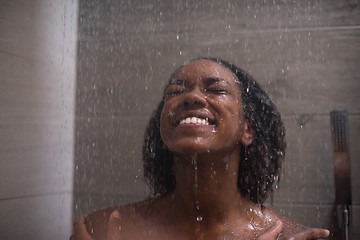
260 162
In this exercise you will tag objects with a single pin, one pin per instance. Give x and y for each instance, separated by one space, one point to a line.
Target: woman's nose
195 97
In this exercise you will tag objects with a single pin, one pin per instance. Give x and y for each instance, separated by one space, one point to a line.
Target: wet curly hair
260 162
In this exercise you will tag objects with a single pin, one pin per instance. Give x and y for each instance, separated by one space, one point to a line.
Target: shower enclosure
80 78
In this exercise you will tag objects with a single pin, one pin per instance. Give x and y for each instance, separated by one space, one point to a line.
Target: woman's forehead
204 68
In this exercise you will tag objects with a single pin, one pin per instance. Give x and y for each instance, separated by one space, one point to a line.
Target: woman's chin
190 148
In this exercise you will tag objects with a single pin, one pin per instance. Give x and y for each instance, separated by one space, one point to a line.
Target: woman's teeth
194 120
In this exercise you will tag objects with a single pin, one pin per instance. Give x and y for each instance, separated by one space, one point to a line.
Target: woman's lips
203 117
194 120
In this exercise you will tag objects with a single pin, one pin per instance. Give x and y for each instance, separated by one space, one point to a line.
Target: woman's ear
247 137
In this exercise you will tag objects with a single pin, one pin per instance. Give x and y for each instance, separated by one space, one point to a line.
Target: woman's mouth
194 120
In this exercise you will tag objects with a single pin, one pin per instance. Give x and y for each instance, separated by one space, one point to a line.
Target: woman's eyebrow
212 80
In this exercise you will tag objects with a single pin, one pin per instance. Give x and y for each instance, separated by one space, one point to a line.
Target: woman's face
202 110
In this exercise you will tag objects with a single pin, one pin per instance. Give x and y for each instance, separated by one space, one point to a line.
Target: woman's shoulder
293 230
97 221
138 213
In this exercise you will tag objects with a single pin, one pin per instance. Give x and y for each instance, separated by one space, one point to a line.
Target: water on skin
257 219
196 186
171 114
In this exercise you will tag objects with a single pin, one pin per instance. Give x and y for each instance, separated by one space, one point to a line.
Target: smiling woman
212 151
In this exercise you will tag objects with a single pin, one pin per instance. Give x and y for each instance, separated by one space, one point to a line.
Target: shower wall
37 92
305 54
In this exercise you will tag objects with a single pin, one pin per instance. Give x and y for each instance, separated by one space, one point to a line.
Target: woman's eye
216 90
174 91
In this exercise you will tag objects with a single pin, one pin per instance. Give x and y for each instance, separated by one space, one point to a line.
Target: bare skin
127 222
206 202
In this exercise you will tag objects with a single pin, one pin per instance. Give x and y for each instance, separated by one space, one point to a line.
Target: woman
213 149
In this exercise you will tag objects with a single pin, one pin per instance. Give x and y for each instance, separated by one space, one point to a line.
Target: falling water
291 47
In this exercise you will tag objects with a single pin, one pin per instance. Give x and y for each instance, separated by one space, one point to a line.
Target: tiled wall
306 54
37 93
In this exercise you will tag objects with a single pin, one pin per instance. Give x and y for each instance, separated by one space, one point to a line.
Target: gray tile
123 81
108 164
354 130
108 156
323 216
301 71
109 20
307 175
305 55
355 228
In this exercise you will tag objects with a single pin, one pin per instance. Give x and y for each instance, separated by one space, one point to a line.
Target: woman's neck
206 187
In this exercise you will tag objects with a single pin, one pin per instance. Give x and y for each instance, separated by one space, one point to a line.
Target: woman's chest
154 231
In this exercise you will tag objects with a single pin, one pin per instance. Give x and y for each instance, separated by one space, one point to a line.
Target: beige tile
33 170
40 217
37 55
36 126
31 91
37 88
41 31
85 203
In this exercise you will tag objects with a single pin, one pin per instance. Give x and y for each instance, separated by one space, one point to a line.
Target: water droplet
199 218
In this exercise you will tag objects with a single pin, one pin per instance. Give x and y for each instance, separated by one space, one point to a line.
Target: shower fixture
342 176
